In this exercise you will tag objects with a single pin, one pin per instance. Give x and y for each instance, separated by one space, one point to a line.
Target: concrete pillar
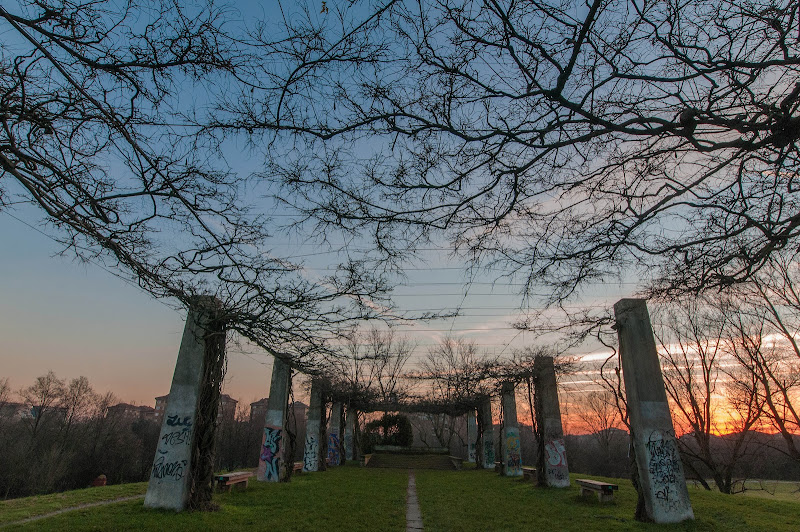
512 448
311 449
198 366
552 469
272 460
662 484
472 436
335 435
350 435
487 435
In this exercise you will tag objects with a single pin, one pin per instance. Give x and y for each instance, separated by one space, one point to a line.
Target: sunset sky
78 319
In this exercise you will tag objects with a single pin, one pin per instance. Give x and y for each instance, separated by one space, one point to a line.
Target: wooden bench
297 467
457 462
529 473
227 480
605 491
498 467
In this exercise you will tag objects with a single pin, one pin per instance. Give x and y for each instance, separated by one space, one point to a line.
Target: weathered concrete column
311 449
335 435
190 416
512 448
661 482
350 451
472 436
487 435
551 467
272 464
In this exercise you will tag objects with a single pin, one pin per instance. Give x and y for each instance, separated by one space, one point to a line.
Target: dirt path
70 509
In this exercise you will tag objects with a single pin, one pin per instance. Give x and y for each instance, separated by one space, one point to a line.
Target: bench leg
603 496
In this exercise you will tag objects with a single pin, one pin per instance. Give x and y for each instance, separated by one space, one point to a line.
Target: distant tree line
58 435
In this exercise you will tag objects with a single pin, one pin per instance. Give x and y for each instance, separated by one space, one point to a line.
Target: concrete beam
661 481
177 450
512 448
552 468
272 463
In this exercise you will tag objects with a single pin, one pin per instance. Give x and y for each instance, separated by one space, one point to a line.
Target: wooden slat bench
297 467
227 480
529 473
605 491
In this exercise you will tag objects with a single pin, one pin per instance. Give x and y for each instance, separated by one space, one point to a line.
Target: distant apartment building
161 407
132 411
227 407
15 411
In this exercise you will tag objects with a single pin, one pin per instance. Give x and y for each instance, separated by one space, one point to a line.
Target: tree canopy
100 108
566 141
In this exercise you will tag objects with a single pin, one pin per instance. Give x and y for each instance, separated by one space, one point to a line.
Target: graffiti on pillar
556 461
513 455
333 449
172 461
310 453
271 453
178 421
348 446
556 453
664 466
164 470
488 452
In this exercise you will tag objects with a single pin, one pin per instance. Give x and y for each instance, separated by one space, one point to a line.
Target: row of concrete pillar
661 483
552 468
659 476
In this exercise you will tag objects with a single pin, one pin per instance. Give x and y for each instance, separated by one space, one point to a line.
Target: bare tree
98 134
770 373
457 372
42 399
773 298
693 344
599 413
565 141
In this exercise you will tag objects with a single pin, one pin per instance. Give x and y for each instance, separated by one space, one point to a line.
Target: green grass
354 499
18 509
478 500
344 498
773 490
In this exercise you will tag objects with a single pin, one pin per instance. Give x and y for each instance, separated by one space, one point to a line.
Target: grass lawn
18 509
482 500
344 498
353 499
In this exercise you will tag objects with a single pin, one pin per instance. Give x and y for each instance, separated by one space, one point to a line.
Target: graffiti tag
176 421
333 449
311 453
270 452
168 470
